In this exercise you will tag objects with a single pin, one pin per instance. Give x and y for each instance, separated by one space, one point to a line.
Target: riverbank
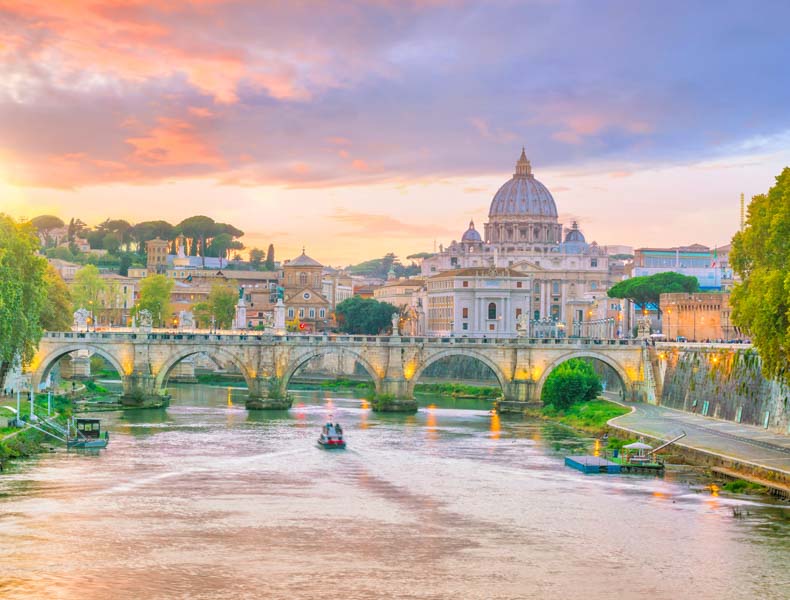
25 442
591 416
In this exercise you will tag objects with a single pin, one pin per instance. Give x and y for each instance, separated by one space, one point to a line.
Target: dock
591 464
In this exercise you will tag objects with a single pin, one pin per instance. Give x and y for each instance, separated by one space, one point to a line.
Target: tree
761 256
56 309
149 230
648 289
270 258
22 292
256 257
198 229
46 223
87 288
155 297
573 381
364 315
221 304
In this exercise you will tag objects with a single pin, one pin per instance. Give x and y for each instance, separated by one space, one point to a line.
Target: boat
88 434
331 437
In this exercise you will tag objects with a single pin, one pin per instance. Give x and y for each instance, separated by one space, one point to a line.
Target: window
260 314
593 262
312 313
306 295
536 287
491 327
303 278
536 315
322 313
465 326
290 313
555 287
594 285
518 313
465 313
301 313
466 284
492 310
518 284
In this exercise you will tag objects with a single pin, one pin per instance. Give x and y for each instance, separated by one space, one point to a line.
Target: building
568 277
695 260
698 317
401 293
156 251
477 301
305 304
336 286
66 269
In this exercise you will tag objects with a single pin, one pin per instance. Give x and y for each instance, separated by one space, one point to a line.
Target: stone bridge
267 363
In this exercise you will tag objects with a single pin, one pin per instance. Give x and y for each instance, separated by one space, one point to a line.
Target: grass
740 486
589 416
459 390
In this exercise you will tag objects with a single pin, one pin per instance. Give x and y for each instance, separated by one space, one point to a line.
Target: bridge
145 360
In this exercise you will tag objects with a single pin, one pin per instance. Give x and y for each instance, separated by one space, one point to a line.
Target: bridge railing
303 339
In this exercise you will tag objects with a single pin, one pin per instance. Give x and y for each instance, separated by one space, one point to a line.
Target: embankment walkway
760 452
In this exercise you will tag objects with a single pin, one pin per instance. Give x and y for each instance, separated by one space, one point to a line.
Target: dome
523 195
471 234
574 234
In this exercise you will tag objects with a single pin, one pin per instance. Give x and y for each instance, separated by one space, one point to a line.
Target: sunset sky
358 128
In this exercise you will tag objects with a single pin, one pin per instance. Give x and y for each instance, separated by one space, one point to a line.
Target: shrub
571 382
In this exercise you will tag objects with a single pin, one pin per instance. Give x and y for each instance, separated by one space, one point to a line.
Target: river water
207 500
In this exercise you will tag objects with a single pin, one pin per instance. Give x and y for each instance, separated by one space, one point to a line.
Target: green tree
56 311
46 223
88 288
221 304
198 229
648 289
149 230
155 297
761 256
364 315
270 258
22 292
256 258
573 381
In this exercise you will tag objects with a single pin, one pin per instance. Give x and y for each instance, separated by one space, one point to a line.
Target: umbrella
638 446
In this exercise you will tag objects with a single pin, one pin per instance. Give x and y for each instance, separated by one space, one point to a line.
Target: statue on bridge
81 319
644 327
145 320
395 323
522 325
186 320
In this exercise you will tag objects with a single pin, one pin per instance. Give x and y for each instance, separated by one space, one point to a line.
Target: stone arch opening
616 373
216 355
499 378
304 359
43 366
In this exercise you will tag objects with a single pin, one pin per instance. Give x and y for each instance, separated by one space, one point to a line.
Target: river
207 500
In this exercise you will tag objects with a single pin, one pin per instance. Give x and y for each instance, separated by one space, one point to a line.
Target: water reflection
208 500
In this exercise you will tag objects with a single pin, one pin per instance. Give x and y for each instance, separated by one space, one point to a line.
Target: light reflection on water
208 500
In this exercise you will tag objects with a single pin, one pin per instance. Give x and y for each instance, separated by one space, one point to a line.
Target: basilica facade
562 279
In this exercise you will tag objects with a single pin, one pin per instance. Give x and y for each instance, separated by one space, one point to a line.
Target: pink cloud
173 143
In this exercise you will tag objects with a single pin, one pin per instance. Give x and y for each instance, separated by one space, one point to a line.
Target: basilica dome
523 195
471 234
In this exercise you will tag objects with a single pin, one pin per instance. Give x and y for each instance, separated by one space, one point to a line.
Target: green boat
88 434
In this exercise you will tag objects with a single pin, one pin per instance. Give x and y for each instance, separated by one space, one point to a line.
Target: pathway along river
207 500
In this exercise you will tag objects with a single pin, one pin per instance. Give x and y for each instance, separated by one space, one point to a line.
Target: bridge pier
140 391
268 394
517 395
395 396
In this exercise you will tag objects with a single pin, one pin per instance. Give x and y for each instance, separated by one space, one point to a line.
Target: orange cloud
173 142
360 165
373 225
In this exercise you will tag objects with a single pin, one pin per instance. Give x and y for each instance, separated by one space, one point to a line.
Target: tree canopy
221 304
22 292
573 381
648 289
364 315
380 267
87 288
761 257
56 311
155 297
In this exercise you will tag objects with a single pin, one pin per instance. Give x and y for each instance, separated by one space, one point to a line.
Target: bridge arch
607 360
214 353
502 379
305 357
43 365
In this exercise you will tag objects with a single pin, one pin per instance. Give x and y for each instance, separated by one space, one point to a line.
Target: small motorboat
331 437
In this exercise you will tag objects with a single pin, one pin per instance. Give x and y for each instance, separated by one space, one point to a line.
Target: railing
307 339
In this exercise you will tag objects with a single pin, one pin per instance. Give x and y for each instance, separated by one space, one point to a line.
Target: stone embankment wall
723 383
